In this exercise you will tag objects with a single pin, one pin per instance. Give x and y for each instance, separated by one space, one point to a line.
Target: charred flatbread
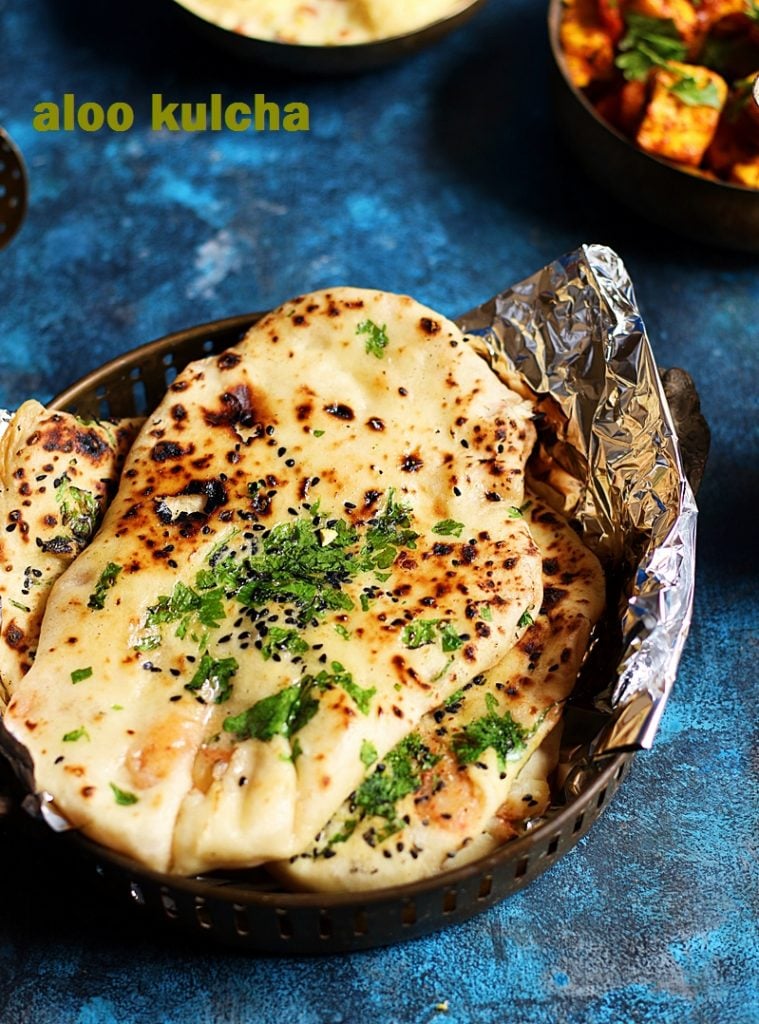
57 473
459 784
316 540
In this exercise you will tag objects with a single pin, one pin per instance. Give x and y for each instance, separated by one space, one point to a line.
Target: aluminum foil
609 457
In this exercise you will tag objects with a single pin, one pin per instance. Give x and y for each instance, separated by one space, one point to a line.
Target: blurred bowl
708 211
329 60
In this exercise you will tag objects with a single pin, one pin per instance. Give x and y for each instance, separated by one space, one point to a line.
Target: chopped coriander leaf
390 528
499 732
399 774
77 734
80 674
420 632
340 677
107 579
122 796
341 630
117 707
286 712
689 92
454 700
451 639
525 620
21 607
318 433
349 827
278 639
185 606
486 613
213 677
448 528
361 697
515 513
296 750
79 509
365 599
752 10
147 643
648 43
281 714
294 567
368 753
376 337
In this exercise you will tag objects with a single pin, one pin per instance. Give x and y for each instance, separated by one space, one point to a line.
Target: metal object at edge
13 189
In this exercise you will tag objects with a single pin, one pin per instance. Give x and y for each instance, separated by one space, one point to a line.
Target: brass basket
246 909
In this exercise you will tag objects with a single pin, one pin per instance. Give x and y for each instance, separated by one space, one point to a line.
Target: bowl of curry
659 100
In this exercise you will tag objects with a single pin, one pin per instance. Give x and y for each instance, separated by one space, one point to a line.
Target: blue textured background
441 177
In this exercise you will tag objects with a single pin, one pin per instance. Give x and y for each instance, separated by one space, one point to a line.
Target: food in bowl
678 77
322 22
320 591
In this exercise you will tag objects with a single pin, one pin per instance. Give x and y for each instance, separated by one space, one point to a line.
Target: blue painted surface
441 177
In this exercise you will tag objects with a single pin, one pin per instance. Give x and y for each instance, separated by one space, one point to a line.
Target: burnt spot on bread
412 462
228 360
61 433
429 326
166 451
237 406
15 637
375 423
551 597
340 411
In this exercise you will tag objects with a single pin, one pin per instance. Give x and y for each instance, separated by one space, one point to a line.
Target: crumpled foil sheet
574 334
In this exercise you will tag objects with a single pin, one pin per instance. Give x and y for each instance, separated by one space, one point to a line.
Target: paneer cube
746 172
681 129
587 45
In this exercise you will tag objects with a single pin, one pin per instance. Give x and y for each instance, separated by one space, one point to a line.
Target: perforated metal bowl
247 909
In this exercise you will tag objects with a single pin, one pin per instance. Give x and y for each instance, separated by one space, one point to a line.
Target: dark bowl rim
557 52
322 49
223 885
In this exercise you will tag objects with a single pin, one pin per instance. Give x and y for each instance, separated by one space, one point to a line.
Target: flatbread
478 763
308 534
56 475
